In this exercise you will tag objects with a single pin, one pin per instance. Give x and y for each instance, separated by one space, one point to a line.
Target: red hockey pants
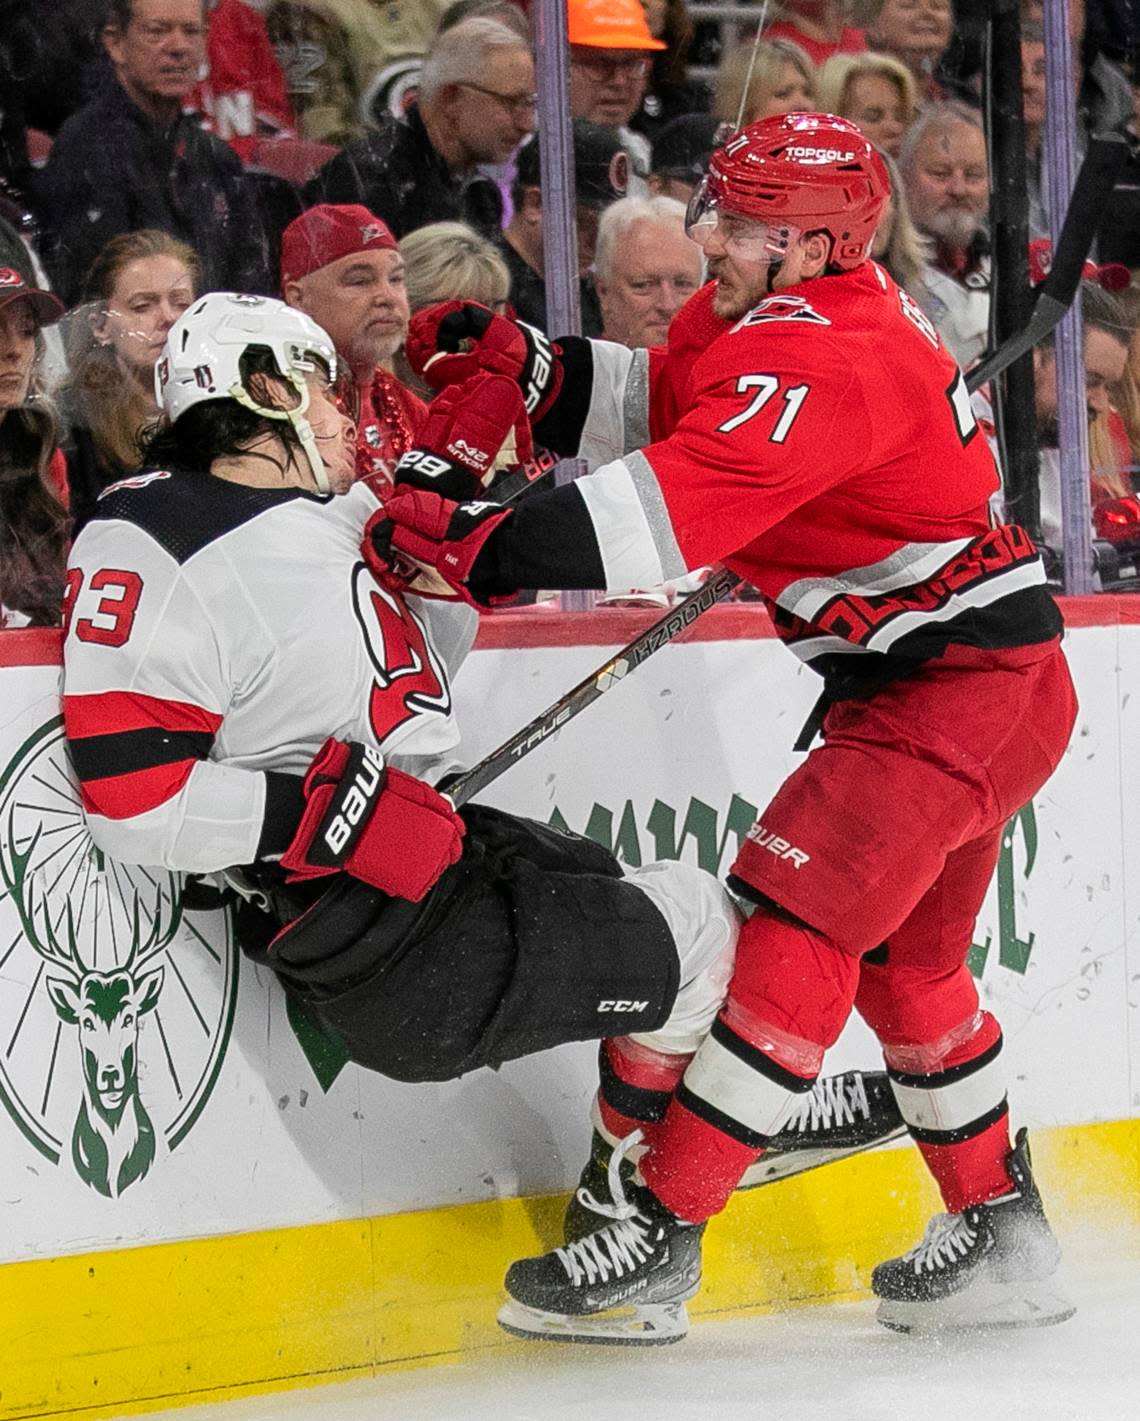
882 842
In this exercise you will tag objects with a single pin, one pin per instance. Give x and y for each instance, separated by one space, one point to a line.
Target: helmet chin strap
773 273
296 417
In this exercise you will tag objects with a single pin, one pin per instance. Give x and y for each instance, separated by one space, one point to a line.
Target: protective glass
746 238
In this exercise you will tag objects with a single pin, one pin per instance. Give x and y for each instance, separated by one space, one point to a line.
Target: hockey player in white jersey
240 692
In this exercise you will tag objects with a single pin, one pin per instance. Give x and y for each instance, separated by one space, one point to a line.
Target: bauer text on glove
373 822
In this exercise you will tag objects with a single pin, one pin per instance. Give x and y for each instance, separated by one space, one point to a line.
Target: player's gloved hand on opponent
421 543
372 821
452 340
472 430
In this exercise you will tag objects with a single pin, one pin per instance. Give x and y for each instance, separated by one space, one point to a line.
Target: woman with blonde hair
138 286
872 90
449 261
898 244
783 81
33 519
1125 393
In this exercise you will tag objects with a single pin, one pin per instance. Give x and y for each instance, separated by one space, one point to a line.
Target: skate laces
832 1101
618 1247
948 1238
620 1208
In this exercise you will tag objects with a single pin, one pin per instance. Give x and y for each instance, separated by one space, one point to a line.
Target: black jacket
528 295
113 170
397 174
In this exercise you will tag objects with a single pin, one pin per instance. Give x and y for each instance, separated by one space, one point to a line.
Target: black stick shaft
666 629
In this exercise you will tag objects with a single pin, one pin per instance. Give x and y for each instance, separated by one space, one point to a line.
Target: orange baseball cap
610 24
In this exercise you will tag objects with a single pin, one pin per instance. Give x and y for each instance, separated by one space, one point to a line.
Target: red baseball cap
328 232
1114 276
15 286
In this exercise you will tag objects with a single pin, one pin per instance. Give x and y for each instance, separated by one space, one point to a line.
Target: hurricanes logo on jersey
782 308
409 679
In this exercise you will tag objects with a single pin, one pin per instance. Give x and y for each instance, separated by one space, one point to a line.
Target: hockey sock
635 1086
952 1096
974 1170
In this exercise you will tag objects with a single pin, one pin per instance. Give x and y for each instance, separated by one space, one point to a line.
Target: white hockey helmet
202 360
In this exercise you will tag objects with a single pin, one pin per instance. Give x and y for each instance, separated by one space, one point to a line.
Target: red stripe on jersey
109 712
124 796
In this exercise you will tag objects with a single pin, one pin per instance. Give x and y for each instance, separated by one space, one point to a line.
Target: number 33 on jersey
214 632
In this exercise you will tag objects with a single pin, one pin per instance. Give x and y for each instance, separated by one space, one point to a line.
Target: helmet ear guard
205 359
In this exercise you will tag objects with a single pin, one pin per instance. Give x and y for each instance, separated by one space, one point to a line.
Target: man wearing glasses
131 158
611 51
476 104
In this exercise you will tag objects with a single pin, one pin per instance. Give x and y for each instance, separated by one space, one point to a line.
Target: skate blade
650 1325
785 1163
979 1309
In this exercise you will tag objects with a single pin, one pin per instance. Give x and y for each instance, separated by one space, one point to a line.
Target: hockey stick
666 629
1103 162
673 624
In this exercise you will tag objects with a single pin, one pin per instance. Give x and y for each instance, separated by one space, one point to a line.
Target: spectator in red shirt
33 520
817 26
340 265
242 97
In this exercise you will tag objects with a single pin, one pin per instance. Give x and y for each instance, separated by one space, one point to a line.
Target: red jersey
850 41
386 425
823 447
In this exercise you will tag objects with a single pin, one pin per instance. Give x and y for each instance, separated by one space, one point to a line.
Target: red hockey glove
419 542
376 823
452 340
472 430
1117 520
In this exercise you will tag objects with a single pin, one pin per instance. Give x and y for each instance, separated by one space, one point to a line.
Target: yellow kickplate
108 1334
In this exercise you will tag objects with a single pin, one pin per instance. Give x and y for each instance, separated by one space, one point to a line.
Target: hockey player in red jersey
805 427
240 692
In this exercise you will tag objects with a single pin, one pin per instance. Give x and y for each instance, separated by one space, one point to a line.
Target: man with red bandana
806 427
341 266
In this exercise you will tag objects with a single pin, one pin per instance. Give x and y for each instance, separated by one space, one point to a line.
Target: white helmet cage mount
203 354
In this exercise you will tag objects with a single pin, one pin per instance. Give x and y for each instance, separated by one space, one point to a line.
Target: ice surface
810 1364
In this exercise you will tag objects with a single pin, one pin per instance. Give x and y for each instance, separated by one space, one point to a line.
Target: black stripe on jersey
758 1060
186 512
936 1080
124 752
632 1100
549 542
719 1120
963 1132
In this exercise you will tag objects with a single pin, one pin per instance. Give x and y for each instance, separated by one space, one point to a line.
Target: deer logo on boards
104 1065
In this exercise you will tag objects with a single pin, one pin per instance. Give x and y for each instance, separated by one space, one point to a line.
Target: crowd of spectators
363 160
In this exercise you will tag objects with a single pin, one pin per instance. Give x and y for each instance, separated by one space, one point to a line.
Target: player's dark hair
118 13
33 522
216 429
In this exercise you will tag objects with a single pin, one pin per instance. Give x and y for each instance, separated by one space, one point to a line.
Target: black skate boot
580 1218
840 1116
993 1265
625 1282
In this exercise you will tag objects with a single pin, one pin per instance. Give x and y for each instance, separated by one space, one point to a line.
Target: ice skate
993 1265
626 1282
840 1116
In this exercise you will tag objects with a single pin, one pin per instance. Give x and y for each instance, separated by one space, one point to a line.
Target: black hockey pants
527 942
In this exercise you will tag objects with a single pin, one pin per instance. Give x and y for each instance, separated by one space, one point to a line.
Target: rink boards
262 1215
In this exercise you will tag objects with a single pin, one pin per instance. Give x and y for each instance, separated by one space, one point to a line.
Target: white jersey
216 635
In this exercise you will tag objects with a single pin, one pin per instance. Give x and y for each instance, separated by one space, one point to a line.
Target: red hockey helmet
798 172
